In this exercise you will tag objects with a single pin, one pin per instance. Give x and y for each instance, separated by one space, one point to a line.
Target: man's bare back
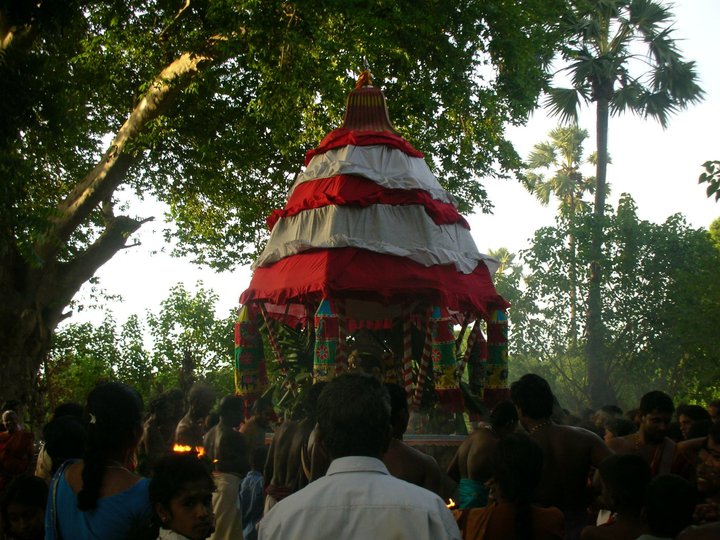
284 464
410 464
472 459
569 452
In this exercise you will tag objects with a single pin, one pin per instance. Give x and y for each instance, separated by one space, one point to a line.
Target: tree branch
63 284
110 172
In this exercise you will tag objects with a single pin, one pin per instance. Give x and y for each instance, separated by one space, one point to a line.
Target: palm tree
605 68
562 155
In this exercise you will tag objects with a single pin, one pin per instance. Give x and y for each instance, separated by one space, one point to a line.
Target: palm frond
564 102
541 156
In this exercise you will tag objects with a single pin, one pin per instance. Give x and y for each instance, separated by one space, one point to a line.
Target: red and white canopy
367 220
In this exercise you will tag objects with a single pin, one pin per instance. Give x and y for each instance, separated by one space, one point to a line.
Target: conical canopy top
366 109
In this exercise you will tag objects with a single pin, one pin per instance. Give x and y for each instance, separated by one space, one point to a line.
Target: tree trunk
35 293
601 392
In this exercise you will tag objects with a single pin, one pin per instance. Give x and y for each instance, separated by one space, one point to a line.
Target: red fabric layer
308 277
350 190
340 137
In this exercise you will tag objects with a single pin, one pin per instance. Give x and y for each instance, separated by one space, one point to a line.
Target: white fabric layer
389 167
405 231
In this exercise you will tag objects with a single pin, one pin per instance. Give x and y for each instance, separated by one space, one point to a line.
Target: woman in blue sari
99 496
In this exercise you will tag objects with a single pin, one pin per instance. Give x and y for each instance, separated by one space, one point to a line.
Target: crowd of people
340 468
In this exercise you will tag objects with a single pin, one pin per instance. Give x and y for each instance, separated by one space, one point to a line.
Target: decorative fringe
496 385
250 375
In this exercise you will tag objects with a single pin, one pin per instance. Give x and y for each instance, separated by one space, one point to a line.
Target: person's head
64 439
113 424
231 410
625 478
619 427
656 410
68 409
504 418
687 415
533 397
181 496
353 414
309 403
517 463
708 470
23 508
167 407
713 410
11 421
399 413
604 414
669 505
367 362
262 411
201 398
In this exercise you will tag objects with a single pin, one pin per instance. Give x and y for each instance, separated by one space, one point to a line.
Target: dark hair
113 416
669 505
311 398
656 400
68 409
517 463
25 489
626 477
620 427
503 414
353 415
533 395
714 403
613 410
696 413
260 405
699 429
232 408
64 439
201 393
162 403
171 473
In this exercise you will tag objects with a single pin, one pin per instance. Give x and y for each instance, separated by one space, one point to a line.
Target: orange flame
451 504
185 449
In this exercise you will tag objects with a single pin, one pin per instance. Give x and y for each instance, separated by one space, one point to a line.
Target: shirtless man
258 424
405 462
650 441
283 471
570 453
190 430
471 466
227 450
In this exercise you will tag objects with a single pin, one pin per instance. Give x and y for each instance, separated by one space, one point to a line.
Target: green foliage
711 177
186 341
220 154
661 302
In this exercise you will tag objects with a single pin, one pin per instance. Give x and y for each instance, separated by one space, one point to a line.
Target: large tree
561 157
622 56
208 107
661 302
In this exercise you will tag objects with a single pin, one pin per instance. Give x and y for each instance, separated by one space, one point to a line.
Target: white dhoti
226 506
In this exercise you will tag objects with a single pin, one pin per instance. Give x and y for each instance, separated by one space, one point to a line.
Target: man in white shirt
358 498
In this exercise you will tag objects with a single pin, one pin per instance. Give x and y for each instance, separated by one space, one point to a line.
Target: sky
659 168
